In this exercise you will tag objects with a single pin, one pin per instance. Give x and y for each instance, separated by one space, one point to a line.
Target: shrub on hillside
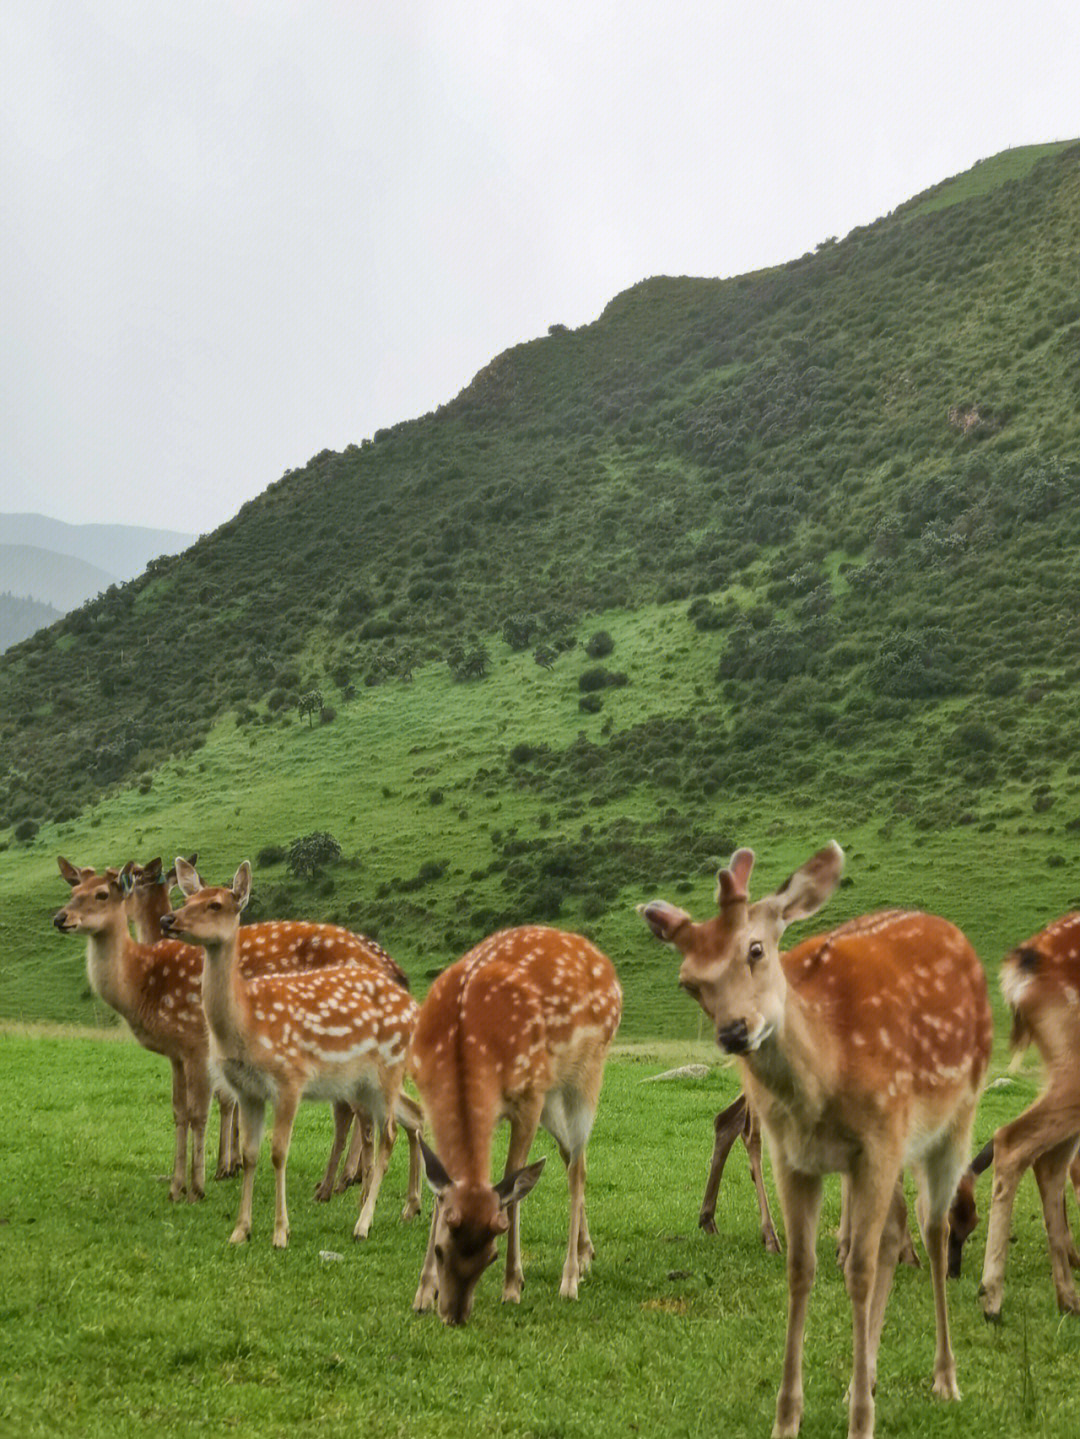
599 645
313 853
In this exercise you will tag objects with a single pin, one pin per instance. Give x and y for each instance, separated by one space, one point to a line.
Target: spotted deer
156 988
1040 980
286 947
862 1050
519 1028
337 1034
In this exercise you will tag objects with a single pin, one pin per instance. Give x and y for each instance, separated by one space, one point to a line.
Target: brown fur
860 1049
518 1029
1041 983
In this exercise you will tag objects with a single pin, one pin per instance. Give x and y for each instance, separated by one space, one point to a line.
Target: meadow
123 1315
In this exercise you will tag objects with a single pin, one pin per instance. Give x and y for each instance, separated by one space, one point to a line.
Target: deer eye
102 894
439 1253
756 950
691 988
214 904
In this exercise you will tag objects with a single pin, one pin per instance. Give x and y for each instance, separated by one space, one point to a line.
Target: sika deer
862 1050
285 947
1041 983
737 1121
337 1034
156 989
518 1029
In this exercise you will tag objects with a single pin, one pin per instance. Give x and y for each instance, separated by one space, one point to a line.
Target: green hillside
828 514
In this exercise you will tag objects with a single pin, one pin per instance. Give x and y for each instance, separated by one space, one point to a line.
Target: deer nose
60 920
166 923
732 1038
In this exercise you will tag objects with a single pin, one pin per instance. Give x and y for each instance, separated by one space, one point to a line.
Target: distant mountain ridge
120 550
50 577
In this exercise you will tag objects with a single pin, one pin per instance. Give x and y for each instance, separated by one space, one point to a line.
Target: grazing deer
285 947
156 989
518 1029
862 1050
338 1034
1041 984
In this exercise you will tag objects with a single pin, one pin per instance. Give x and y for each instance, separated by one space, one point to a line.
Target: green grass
983 178
123 1315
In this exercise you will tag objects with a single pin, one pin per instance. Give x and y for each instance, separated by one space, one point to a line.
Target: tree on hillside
310 704
312 853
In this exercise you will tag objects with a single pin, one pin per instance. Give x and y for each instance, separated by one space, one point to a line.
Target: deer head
95 898
211 912
731 962
468 1222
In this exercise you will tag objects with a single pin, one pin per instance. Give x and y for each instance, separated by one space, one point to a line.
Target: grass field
123 1315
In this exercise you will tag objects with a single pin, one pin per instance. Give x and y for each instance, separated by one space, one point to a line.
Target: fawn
1040 980
338 1034
518 1029
862 1050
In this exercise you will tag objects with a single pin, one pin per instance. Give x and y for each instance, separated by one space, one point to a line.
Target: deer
862 1050
339 1034
518 1028
286 946
737 1121
1040 980
157 989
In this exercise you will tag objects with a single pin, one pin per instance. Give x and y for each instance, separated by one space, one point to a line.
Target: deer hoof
707 1222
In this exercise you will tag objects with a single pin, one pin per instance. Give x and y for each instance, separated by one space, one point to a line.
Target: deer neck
794 1065
225 996
108 953
146 913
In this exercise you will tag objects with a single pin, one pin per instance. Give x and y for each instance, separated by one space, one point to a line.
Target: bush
26 829
310 855
590 703
600 678
599 645
271 854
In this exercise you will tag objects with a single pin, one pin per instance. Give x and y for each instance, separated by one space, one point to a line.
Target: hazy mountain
120 550
20 617
52 578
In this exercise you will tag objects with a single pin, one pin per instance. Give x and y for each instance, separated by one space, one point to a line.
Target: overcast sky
235 232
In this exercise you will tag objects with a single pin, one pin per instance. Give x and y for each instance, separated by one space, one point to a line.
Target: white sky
234 232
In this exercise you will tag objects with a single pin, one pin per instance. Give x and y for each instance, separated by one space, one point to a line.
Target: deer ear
514 1187
68 870
126 878
241 885
437 1176
804 892
151 871
187 876
733 883
665 920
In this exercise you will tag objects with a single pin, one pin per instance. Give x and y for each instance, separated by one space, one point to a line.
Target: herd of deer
863 1052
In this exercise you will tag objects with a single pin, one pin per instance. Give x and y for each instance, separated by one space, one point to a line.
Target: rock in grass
685 1071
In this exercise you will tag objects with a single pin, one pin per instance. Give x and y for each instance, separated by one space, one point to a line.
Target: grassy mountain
828 515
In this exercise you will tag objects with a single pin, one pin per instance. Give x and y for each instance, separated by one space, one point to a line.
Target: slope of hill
829 514
20 617
122 551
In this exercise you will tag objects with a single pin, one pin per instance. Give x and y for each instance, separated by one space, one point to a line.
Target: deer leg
387 1131
523 1125
342 1118
180 1119
1074 1176
751 1136
872 1194
843 1234
939 1175
411 1118
1051 1169
727 1125
895 1240
228 1146
252 1119
284 1118
358 1160
800 1202
198 1111
1042 1126
428 1286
